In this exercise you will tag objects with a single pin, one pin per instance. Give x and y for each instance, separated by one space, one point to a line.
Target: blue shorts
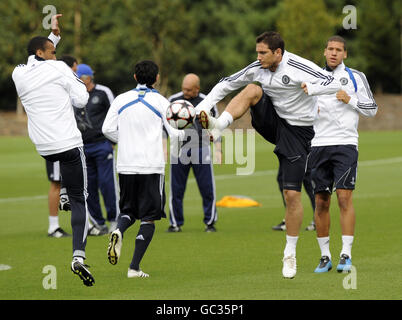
333 167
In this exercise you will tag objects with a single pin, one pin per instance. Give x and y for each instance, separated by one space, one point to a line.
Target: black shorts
53 171
73 172
334 167
293 143
142 196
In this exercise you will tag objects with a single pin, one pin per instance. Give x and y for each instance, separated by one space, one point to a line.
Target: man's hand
343 96
55 24
217 152
304 87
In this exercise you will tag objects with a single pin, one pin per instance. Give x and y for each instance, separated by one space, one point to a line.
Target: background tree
224 38
305 27
378 37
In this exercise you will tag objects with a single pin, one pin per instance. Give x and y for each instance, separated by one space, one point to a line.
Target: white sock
53 223
79 259
347 242
323 242
63 191
290 248
224 120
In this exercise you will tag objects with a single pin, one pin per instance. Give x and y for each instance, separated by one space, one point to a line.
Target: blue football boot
324 266
345 264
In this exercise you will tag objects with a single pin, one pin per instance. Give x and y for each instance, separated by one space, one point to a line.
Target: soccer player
53 168
47 88
134 121
283 110
334 151
99 153
196 151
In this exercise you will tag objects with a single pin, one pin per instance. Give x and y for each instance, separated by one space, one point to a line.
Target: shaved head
192 79
190 86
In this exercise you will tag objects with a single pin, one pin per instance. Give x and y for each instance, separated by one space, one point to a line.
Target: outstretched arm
228 85
55 34
55 24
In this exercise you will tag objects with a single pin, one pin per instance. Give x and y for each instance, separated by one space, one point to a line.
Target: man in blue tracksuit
99 153
194 153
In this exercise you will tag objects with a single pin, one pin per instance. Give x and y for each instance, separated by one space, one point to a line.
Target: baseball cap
84 70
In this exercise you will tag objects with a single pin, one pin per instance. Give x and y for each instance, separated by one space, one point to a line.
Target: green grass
241 261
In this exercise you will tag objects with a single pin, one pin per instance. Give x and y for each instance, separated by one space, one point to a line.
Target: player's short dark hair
337 38
37 43
272 39
146 72
69 60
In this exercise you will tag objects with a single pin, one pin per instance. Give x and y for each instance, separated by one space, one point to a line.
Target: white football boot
137 274
114 249
289 267
209 122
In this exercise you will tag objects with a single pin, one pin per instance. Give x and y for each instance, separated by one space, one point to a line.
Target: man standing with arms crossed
334 151
291 83
47 89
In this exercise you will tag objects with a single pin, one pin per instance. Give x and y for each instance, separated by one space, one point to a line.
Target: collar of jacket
33 58
328 68
144 86
39 58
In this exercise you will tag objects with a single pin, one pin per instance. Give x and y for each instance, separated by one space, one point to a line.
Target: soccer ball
180 114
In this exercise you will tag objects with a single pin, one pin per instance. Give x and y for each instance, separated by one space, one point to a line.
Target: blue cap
84 70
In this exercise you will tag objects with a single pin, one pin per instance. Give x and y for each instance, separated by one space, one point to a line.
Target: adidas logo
140 237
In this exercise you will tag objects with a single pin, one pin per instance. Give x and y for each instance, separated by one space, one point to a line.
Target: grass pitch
242 261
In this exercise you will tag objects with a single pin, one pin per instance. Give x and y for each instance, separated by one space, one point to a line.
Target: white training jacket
134 121
337 122
283 87
48 89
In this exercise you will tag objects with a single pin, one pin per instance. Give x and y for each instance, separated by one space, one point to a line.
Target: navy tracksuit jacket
198 157
99 156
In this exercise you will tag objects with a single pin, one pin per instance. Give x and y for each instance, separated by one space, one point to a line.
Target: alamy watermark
50 280
350 281
350 21
47 20
238 146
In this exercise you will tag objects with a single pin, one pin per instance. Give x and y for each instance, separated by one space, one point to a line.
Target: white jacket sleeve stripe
240 73
309 70
367 108
363 101
365 83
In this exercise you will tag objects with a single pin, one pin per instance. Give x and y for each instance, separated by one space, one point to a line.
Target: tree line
211 38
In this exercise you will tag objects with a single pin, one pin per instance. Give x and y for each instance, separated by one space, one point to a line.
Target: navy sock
144 237
124 221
